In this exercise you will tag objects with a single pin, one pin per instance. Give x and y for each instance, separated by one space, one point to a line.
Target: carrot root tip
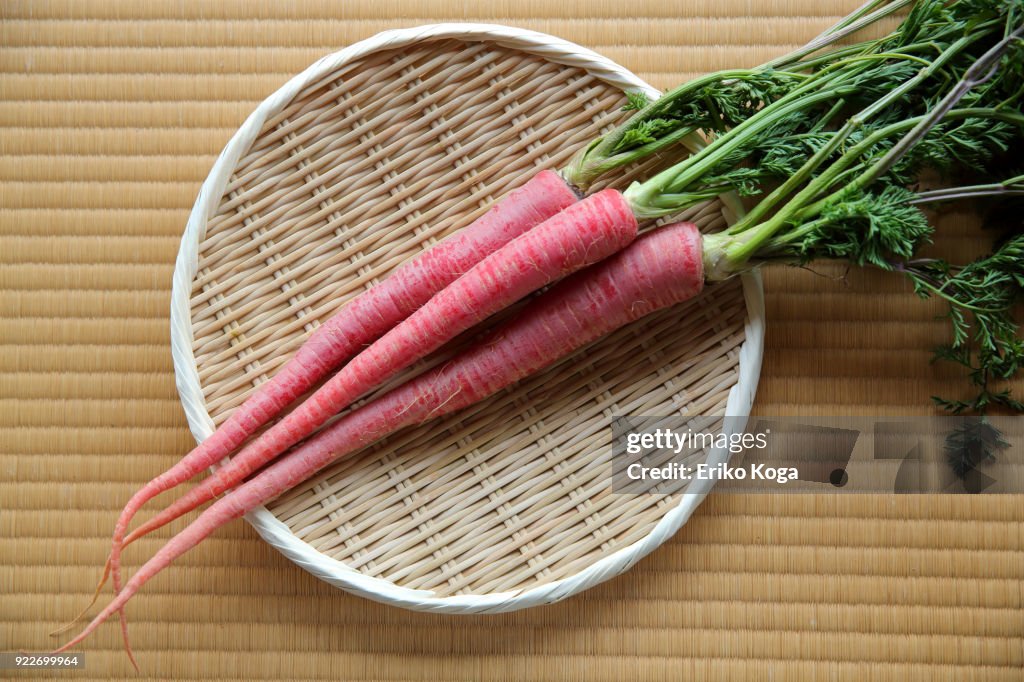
95 595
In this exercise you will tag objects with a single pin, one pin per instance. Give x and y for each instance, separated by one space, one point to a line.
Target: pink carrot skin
360 322
582 234
578 236
365 318
658 270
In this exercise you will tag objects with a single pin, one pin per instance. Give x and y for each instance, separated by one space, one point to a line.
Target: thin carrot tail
201 457
169 479
124 638
132 537
213 518
221 443
121 614
95 596
113 607
115 572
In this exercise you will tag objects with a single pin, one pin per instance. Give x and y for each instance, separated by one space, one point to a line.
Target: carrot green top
834 147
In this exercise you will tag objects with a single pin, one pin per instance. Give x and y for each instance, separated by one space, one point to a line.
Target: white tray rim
276 533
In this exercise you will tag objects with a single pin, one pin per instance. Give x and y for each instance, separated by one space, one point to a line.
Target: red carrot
582 234
658 270
365 318
360 322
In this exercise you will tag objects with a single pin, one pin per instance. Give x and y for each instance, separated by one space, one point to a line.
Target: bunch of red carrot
427 303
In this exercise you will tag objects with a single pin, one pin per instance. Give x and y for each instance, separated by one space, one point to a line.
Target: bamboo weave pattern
366 168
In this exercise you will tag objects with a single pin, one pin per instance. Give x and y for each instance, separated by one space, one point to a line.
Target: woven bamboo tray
361 161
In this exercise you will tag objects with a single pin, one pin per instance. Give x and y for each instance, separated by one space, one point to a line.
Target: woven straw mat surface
114 112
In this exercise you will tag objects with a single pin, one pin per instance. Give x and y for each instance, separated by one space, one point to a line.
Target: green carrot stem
604 154
978 73
748 241
677 177
794 181
1011 187
812 164
861 17
672 180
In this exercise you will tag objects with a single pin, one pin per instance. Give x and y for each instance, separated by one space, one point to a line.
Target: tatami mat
112 114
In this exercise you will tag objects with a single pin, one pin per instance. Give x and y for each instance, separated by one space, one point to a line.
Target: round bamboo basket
367 157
